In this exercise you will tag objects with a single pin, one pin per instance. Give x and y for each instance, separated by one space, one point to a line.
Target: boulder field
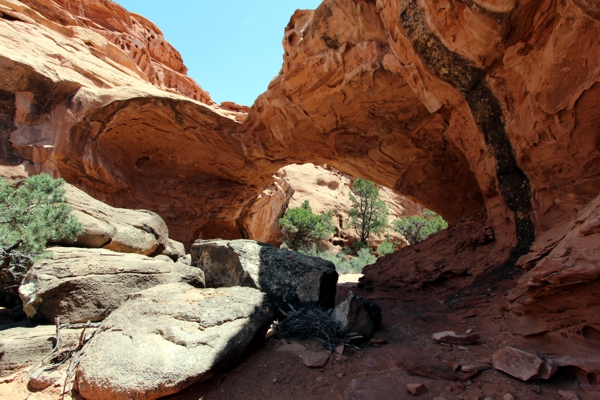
486 112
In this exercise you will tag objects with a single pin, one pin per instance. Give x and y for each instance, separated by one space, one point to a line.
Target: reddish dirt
409 319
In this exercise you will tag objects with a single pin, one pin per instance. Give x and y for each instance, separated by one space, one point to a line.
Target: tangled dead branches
311 323
57 357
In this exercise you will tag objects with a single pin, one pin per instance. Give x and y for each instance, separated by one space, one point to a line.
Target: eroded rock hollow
485 111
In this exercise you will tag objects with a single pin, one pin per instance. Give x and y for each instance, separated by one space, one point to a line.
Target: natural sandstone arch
484 111
395 101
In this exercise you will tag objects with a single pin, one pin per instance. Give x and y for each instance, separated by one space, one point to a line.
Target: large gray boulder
169 337
287 277
118 229
87 284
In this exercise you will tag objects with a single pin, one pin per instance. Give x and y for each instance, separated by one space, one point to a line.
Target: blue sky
232 48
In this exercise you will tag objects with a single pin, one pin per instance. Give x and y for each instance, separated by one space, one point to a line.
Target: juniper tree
368 214
303 229
31 215
419 227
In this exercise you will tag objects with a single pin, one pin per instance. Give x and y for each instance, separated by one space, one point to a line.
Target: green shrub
363 259
31 214
417 228
343 265
303 229
368 214
387 246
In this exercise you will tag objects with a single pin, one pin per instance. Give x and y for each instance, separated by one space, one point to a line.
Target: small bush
387 246
417 228
363 259
31 214
343 264
303 229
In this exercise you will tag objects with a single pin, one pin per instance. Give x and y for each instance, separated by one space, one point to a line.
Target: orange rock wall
486 111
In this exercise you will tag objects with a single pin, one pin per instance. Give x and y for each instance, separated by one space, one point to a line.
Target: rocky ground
275 369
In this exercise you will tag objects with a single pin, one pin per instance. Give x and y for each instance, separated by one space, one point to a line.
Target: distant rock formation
326 189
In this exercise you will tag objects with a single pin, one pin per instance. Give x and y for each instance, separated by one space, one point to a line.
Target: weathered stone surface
563 274
43 379
168 337
174 249
523 365
24 345
315 359
287 277
118 229
454 338
88 284
352 317
415 388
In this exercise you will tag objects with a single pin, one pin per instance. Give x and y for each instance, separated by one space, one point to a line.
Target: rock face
287 277
168 337
488 115
88 284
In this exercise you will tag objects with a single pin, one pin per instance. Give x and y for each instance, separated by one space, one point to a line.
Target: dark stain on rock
470 80
331 42
8 155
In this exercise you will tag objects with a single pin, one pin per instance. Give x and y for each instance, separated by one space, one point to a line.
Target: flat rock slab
87 284
26 345
454 338
287 277
315 359
523 365
168 337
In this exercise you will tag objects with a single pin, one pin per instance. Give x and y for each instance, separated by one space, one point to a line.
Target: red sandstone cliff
485 111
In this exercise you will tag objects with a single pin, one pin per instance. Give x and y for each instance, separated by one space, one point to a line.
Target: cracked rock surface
87 284
169 337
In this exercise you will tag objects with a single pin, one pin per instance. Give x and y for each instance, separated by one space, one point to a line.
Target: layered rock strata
485 108
80 285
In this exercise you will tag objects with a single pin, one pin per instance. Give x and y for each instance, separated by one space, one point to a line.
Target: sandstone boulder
23 345
352 317
119 229
168 337
523 365
287 277
87 284
175 250
454 338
